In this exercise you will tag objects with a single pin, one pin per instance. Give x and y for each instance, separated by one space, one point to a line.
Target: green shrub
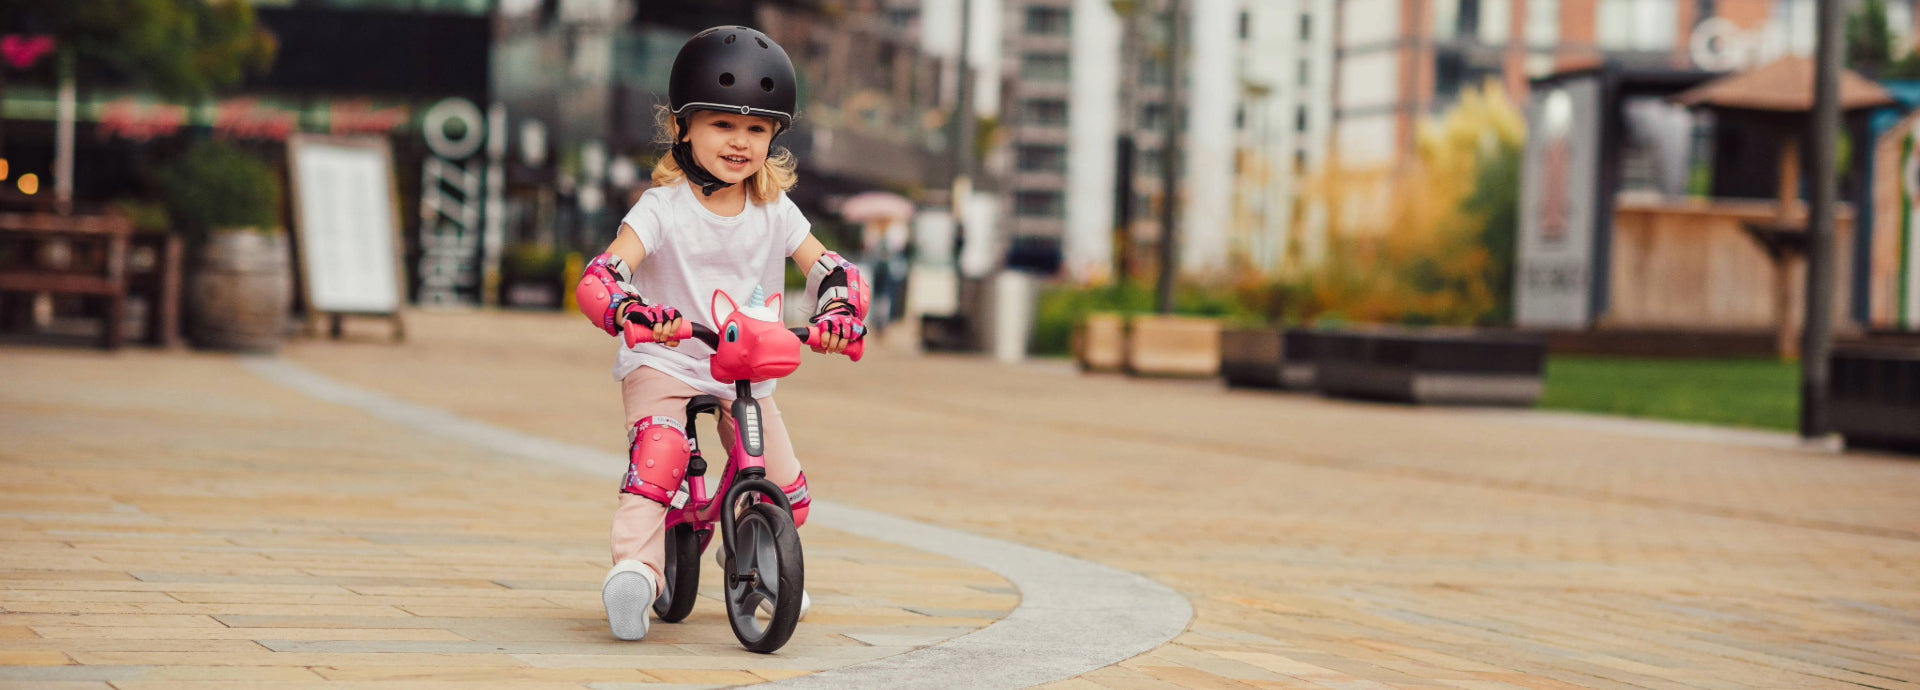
1063 306
215 185
534 261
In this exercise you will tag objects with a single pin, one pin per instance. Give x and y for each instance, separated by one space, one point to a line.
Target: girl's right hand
663 333
652 323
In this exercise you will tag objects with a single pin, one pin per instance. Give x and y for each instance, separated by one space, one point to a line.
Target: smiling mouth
736 160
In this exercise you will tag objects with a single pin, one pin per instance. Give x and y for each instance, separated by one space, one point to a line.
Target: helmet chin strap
683 155
708 184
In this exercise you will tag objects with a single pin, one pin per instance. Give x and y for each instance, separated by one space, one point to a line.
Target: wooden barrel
240 294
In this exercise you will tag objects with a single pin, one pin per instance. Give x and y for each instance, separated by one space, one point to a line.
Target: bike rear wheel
682 575
764 564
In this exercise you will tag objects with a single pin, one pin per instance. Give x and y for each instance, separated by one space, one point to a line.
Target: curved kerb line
1074 616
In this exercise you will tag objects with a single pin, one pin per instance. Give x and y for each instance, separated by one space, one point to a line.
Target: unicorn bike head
752 345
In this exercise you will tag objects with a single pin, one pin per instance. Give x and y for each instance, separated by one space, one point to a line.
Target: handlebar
810 335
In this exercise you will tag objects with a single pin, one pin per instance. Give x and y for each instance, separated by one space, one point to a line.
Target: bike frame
745 470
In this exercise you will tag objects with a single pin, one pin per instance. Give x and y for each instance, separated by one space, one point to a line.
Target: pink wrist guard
833 278
603 288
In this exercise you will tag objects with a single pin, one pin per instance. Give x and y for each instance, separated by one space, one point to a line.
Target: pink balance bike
762 560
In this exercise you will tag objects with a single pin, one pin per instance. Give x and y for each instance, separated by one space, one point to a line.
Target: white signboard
344 208
1554 282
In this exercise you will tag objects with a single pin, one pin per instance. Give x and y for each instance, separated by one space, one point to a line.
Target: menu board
344 211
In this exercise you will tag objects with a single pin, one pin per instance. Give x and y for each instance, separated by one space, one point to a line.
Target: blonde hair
775 176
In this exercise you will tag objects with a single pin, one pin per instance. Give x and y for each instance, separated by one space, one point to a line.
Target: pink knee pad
657 459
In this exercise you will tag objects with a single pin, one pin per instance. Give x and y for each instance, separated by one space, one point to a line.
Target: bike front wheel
764 565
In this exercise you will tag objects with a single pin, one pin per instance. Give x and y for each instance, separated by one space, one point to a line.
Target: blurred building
1085 110
1036 119
519 127
581 81
1405 60
335 73
1285 115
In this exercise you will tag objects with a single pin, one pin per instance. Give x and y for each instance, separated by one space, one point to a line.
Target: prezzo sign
451 200
1554 282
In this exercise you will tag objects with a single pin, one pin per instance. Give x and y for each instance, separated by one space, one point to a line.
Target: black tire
764 533
683 575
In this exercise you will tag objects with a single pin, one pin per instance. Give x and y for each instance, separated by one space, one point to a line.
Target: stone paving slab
1321 543
171 520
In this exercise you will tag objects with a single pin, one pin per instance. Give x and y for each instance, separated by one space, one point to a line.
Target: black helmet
733 69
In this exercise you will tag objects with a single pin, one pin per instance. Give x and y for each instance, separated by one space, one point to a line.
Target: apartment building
1404 60
1085 111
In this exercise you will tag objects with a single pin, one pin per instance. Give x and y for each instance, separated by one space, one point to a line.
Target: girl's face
731 146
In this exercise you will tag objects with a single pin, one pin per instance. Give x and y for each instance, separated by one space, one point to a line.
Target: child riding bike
717 220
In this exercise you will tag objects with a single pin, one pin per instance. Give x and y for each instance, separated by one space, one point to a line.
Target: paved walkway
173 521
1321 544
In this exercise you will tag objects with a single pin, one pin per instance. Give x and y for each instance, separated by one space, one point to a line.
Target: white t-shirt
691 252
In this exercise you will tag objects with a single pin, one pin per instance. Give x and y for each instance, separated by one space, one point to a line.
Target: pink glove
839 320
639 320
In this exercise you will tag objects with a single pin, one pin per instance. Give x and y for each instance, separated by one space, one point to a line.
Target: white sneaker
806 603
627 593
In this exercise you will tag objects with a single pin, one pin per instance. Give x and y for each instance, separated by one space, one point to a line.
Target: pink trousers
639 524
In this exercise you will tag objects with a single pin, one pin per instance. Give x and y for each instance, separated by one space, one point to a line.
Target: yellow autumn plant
1400 244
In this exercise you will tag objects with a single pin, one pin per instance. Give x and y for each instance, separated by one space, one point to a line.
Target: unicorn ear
723 307
774 304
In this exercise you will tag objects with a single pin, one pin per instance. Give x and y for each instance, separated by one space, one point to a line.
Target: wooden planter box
1173 346
1100 343
1432 366
1267 358
1875 396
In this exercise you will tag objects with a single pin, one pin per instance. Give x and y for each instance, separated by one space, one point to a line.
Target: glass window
1150 161
1153 116
1043 158
1051 67
1496 20
1048 21
1246 25
1043 111
1640 25
902 18
1306 27
1543 23
1039 204
1446 19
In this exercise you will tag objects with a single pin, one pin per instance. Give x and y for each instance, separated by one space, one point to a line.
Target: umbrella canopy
1782 86
866 206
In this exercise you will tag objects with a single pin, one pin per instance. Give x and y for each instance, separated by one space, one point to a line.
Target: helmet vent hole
761 41
730 38
766 84
726 79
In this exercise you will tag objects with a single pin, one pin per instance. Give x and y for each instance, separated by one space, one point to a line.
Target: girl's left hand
837 332
831 344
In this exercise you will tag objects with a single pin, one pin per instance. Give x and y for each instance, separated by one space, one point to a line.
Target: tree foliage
1871 45
181 48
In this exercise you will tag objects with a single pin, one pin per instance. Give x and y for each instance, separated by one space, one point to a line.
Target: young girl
717 218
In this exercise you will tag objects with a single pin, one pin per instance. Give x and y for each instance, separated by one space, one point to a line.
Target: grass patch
1762 393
